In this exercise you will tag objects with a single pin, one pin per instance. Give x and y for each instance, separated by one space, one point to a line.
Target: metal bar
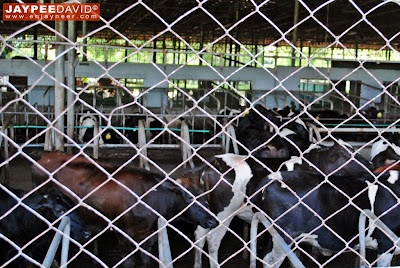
96 131
84 41
65 245
6 156
231 131
381 225
4 127
142 145
71 81
185 143
361 230
295 21
44 97
164 250
149 146
361 129
12 137
59 92
259 217
48 140
56 241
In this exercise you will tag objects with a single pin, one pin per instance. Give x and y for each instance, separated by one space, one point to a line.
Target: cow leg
246 214
384 260
200 237
275 258
129 262
149 246
214 239
95 250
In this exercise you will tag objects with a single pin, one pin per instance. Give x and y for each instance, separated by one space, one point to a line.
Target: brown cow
114 195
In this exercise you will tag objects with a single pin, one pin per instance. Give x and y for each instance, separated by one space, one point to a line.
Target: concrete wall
41 73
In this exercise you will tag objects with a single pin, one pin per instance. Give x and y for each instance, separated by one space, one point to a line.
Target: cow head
300 128
372 113
384 153
343 160
268 144
198 211
53 205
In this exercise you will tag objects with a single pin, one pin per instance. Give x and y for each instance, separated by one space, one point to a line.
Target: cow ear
173 186
333 158
201 180
40 202
337 145
179 191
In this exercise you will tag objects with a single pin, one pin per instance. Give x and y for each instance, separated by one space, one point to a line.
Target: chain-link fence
267 130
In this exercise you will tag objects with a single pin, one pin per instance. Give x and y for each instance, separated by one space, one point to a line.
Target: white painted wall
157 76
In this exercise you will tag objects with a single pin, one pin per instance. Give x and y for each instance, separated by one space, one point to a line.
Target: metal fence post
259 217
185 145
96 131
65 228
71 82
142 144
59 92
230 132
164 250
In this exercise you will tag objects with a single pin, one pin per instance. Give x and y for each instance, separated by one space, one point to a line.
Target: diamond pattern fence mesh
153 152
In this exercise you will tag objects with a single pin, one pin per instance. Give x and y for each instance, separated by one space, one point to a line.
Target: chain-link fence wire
169 174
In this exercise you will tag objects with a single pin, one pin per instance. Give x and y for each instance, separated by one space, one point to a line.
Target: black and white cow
267 134
324 116
227 114
255 133
133 122
230 179
108 135
324 211
340 159
226 182
295 135
384 153
87 122
155 124
372 114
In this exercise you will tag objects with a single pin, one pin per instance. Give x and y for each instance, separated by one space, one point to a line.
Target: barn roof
361 23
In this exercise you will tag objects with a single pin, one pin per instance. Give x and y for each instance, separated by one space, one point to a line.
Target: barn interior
166 83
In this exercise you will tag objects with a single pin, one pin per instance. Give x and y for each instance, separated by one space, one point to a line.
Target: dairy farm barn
201 134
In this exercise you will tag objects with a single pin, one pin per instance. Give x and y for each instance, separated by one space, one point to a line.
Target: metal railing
63 231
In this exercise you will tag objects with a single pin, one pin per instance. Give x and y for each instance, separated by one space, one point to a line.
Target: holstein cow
132 121
230 179
324 211
130 199
28 225
271 135
295 135
384 153
226 182
255 132
87 122
340 158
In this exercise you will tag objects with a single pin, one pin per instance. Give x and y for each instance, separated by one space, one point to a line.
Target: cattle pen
229 133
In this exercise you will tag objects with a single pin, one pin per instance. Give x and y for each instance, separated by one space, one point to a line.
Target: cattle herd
313 194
